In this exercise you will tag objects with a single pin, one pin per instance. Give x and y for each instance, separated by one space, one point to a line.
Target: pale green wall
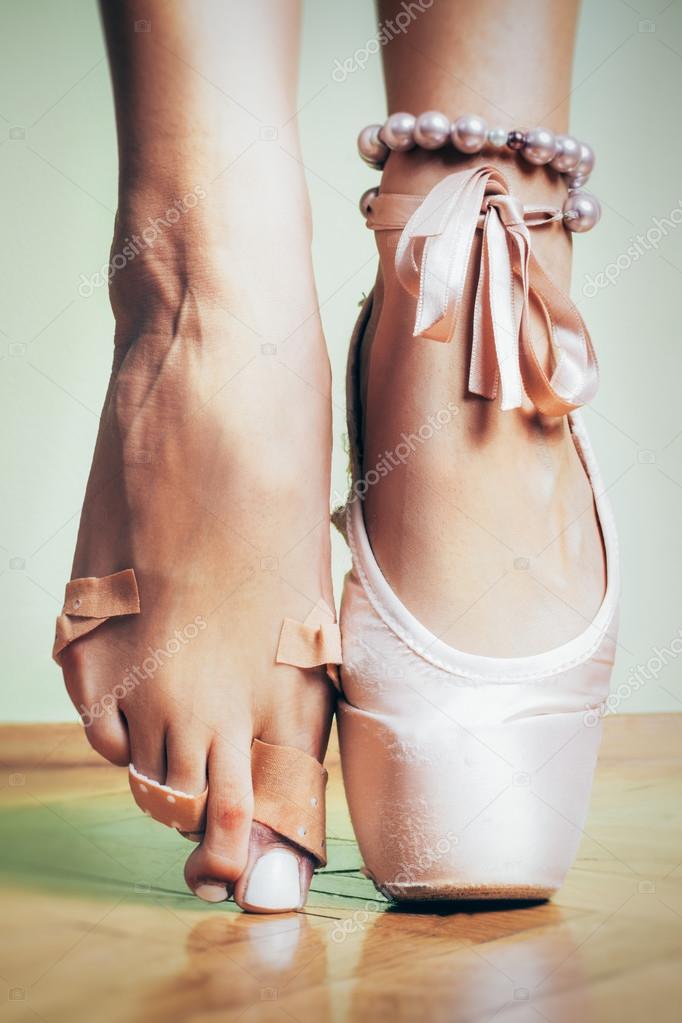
56 209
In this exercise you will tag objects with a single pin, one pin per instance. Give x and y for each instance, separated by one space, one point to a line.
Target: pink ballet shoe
469 777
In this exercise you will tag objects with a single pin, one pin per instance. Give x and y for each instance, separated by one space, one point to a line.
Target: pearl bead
540 146
567 154
431 130
366 200
577 182
371 148
516 139
469 133
398 132
581 212
586 164
497 137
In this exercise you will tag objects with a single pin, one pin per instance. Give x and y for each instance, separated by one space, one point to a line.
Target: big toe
277 875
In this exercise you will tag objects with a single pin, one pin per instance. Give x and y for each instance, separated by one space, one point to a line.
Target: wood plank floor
97 923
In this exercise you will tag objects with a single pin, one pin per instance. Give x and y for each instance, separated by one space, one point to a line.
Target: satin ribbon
433 259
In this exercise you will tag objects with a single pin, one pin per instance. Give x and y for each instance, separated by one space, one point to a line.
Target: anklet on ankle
470 134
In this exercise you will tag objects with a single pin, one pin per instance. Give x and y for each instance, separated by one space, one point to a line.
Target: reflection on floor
98 923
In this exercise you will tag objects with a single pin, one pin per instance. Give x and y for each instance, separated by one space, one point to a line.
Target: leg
493 490
211 472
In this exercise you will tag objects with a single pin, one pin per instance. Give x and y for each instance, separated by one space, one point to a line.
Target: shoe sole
451 891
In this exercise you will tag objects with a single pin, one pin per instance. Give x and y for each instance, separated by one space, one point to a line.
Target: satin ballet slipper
469 777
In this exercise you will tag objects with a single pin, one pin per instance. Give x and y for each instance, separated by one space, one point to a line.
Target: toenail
274 882
211 892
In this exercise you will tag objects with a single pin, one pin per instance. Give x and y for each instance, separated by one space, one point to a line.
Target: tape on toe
313 642
289 785
169 806
289 797
92 601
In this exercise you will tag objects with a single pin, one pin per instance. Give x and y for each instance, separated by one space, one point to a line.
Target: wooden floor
97 924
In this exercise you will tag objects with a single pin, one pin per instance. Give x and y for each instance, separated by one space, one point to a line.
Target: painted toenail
274 882
211 892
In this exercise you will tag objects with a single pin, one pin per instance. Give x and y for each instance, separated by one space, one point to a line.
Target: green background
58 174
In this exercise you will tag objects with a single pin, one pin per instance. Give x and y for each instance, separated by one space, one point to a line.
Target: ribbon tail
483 372
505 294
575 377
495 350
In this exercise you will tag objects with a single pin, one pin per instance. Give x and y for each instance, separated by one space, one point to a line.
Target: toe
147 745
108 735
277 875
186 751
105 727
215 865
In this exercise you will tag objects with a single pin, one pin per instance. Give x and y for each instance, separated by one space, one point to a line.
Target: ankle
184 236
417 171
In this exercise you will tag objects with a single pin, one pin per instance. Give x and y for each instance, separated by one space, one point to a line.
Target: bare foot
488 531
211 479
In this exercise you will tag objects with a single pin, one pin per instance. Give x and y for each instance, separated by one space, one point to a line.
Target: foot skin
495 509
211 479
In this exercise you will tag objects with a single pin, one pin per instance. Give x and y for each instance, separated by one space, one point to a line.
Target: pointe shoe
469 777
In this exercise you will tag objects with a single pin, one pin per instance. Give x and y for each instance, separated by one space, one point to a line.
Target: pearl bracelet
469 134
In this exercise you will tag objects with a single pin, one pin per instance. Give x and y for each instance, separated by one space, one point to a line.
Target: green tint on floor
101 845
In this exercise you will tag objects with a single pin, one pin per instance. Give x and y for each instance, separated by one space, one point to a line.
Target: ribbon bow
432 262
